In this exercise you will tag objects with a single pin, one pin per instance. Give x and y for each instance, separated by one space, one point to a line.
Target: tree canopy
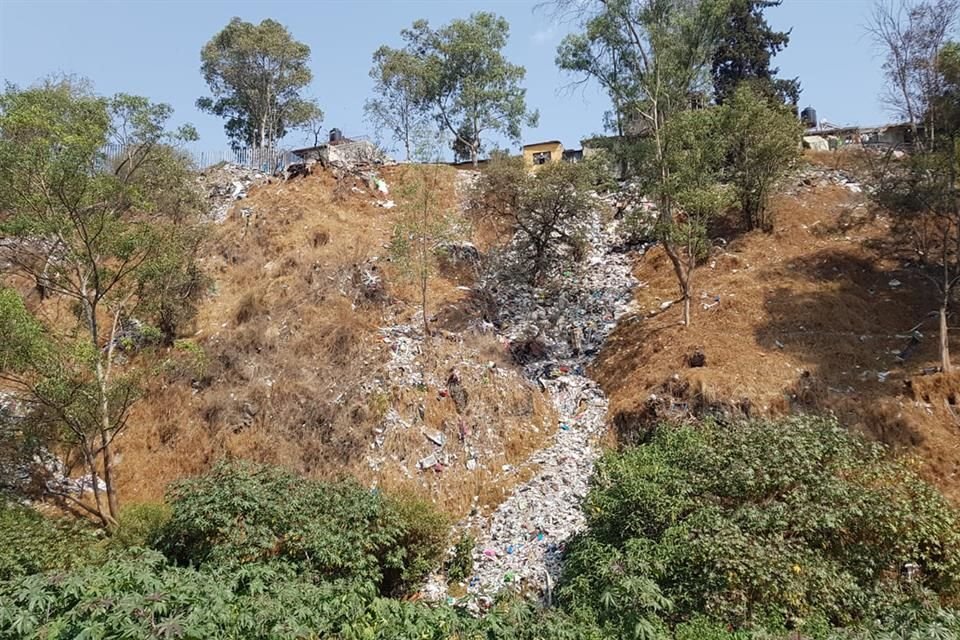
395 108
465 82
744 53
256 75
112 240
651 57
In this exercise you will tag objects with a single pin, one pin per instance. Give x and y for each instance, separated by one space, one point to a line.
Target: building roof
826 128
300 152
537 144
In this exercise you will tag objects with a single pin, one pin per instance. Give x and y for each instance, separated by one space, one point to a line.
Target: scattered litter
554 331
894 283
225 183
429 462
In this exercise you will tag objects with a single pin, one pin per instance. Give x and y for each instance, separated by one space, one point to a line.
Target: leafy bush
460 566
763 142
421 544
757 524
138 595
31 543
139 525
239 514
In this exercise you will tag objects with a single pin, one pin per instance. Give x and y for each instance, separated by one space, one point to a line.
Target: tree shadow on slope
860 332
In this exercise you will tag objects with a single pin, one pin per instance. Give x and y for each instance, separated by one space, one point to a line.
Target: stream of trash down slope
520 544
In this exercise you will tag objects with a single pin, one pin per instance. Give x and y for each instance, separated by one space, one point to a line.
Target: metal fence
266 160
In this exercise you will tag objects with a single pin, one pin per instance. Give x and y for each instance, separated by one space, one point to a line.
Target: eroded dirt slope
308 353
817 316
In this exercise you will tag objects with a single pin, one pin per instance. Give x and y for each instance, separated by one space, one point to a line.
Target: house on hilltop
539 153
897 135
343 151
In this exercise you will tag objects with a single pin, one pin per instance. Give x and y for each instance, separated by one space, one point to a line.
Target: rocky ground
555 331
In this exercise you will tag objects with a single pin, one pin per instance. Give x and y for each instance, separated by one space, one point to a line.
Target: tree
396 75
911 36
651 57
465 143
545 212
423 230
102 239
255 74
464 80
310 116
747 44
922 192
695 159
763 142
946 105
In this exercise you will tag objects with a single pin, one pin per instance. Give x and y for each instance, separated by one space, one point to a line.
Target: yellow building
542 153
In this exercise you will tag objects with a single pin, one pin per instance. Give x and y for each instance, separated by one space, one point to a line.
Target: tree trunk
685 286
106 446
423 305
944 338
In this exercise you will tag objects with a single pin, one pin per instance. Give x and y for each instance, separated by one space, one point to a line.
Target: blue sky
152 48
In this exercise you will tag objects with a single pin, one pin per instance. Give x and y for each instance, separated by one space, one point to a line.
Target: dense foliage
709 531
141 596
243 514
250 552
31 543
789 525
746 47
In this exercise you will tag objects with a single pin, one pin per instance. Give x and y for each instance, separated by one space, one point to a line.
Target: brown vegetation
287 365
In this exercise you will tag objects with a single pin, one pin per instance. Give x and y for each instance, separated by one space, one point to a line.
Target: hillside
817 316
310 357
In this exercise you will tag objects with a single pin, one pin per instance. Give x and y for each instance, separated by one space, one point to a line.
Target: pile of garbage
554 330
814 177
521 543
225 183
572 314
24 472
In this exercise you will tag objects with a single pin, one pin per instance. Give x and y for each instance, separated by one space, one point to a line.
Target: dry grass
292 368
803 319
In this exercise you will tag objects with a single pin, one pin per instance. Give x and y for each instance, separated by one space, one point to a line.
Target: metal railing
266 160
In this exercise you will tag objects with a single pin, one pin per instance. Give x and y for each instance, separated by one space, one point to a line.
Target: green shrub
460 566
757 524
422 541
139 525
31 543
240 513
